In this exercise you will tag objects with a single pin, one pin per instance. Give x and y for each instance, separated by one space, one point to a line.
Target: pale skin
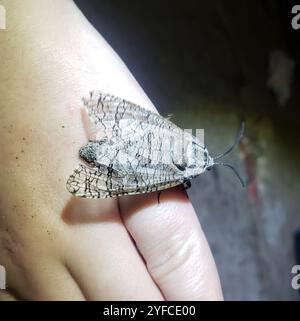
58 247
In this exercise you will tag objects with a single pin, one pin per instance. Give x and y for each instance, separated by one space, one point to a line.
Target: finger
102 257
173 245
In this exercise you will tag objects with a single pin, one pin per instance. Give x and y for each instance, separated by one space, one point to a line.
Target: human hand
58 247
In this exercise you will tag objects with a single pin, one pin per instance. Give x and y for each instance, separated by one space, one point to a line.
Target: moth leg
158 196
187 184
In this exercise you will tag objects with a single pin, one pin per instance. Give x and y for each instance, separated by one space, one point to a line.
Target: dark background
208 63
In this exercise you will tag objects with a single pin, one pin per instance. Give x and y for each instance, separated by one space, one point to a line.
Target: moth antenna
236 142
235 172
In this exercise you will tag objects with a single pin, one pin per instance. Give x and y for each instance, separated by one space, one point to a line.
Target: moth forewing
140 153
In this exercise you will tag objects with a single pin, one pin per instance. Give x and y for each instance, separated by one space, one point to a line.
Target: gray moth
140 151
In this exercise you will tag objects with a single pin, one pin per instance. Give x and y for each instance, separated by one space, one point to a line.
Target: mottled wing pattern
135 158
103 182
117 117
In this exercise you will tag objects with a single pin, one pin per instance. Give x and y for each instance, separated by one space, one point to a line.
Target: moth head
208 160
88 152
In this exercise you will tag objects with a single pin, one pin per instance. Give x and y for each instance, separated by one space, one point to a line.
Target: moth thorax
197 156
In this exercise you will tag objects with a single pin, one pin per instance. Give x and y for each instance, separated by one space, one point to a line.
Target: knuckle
174 253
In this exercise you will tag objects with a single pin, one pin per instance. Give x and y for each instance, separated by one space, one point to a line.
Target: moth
140 152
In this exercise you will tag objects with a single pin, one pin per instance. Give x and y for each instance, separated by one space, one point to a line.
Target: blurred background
213 64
